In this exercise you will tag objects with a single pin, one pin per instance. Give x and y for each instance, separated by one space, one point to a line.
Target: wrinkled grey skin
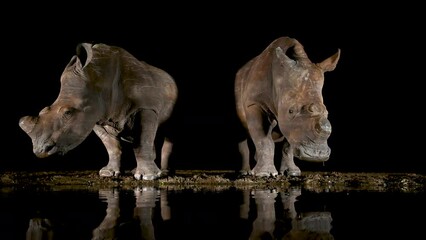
107 90
279 98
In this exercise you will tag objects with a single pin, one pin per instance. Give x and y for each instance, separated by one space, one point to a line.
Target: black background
373 97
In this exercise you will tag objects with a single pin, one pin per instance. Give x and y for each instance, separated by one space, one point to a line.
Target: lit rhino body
279 98
107 90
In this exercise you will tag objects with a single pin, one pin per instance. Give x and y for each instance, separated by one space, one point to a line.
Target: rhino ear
84 54
27 123
330 63
283 58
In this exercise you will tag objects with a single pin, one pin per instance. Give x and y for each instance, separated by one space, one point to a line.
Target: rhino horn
84 53
27 123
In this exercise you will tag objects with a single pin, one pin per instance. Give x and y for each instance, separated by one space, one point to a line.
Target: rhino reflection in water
279 98
263 214
39 229
107 90
289 224
143 215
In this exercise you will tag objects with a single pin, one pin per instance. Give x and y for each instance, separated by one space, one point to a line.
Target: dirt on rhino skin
217 179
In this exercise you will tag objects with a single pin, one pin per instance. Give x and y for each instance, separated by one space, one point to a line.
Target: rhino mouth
50 150
313 152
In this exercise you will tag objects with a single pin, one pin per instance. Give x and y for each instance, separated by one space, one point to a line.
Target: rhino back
149 87
132 84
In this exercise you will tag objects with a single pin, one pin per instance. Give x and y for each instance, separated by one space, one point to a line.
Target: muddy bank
313 181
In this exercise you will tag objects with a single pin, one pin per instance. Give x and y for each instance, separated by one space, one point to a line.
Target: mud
312 181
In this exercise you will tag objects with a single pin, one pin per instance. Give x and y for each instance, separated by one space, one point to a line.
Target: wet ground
313 181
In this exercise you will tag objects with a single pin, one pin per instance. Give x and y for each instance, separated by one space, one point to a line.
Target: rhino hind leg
113 147
166 151
245 157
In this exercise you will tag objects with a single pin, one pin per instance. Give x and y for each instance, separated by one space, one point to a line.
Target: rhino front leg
262 139
144 148
287 162
113 147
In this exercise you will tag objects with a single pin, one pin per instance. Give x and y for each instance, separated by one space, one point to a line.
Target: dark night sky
371 96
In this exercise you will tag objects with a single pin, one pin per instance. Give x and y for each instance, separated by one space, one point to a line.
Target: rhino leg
40 228
288 199
146 198
262 139
245 155
144 148
166 151
113 147
107 228
287 162
264 223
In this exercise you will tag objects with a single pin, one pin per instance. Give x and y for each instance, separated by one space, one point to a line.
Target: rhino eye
68 113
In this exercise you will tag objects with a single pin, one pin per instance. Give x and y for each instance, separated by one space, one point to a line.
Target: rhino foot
265 174
139 176
264 171
109 172
147 172
244 173
294 172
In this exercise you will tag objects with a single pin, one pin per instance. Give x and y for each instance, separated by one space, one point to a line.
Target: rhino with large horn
279 98
107 90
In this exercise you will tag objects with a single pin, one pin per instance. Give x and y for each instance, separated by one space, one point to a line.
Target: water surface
207 213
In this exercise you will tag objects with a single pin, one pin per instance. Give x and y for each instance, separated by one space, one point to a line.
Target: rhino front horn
27 123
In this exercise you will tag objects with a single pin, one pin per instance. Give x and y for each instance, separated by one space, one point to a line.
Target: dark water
229 213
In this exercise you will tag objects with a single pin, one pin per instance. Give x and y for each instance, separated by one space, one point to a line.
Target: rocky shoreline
312 181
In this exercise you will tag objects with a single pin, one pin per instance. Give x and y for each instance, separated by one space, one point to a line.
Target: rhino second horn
27 123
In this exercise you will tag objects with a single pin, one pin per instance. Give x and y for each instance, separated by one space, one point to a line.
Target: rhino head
302 115
63 125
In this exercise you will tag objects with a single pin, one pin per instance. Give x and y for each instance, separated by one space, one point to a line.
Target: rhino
106 89
278 97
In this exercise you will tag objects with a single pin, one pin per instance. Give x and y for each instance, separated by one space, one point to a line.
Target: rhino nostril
49 146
